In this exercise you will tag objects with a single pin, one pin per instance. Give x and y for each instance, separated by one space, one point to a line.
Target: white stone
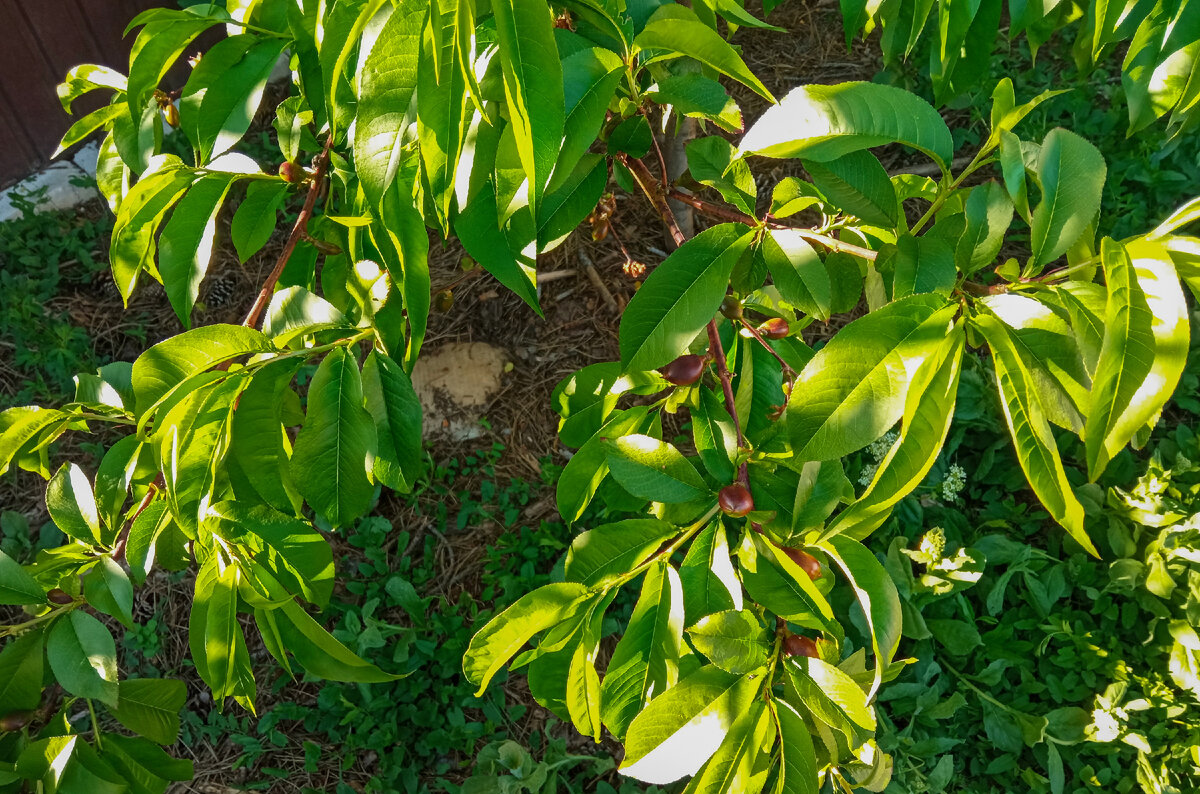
60 191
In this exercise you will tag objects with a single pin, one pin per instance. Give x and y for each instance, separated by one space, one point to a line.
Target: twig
656 194
123 537
717 212
590 271
298 231
787 370
718 354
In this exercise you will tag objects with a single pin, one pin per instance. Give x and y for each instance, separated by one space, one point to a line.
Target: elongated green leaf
259 445
610 550
405 227
857 184
922 265
680 297
151 706
776 582
1032 437
16 585
989 213
140 214
798 272
21 669
928 409
107 588
1145 342
733 640
442 111
653 469
331 463
821 123
394 406
505 634
161 369
645 662
72 504
797 762
319 653
682 728
83 657
85 126
877 596
831 695
158 45
589 465
213 629
566 207
186 244
502 254
700 97
675 30
144 767
87 77
854 388
733 765
590 79
707 576
1071 172
583 691
256 216
387 81
533 87
291 549
715 436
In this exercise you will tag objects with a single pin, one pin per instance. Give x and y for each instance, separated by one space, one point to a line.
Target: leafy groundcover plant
764 628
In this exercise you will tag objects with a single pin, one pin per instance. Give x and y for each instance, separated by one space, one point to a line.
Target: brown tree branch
654 191
299 229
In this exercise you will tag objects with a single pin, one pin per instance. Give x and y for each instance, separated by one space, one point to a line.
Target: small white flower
868 474
953 484
880 448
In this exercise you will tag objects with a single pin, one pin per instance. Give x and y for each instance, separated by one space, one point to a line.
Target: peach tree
764 624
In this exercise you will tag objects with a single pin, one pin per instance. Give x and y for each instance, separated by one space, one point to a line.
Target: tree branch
298 231
654 191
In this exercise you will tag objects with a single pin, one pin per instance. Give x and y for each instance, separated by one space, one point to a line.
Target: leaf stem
123 538
21 628
788 371
976 163
298 230
95 725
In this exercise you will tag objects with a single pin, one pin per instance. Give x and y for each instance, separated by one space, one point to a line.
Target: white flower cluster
878 450
956 480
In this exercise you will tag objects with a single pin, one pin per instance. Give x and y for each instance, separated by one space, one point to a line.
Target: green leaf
854 388
733 640
583 690
138 218
700 97
442 111
876 595
16 585
186 245
1071 172
798 761
958 637
820 122
257 216
674 30
83 657
645 662
798 272
387 81
600 555
928 410
679 298
714 162
151 706
141 763
334 448
87 77
733 766
158 45
20 667
590 80
589 465
162 369
259 444
393 404
566 207
857 184
506 633
213 629
715 436
777 583
709 582
107 588
113 477
1034 441
295 553
922 265
683 727
319 653
225 90
85 126
831 695
478 228
989 212
653 469
72 505
296 312
533 87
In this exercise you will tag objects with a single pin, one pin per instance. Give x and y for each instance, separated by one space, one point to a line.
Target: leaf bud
59 596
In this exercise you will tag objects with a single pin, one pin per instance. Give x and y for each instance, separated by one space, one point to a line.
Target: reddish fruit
58 596
731 307
684 371
775 328
808 563
290 172
15 721
735 500
171 114
798 645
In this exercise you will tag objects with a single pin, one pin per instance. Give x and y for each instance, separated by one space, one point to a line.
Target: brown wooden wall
41 40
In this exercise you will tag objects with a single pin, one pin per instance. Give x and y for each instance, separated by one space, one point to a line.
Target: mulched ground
580 327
